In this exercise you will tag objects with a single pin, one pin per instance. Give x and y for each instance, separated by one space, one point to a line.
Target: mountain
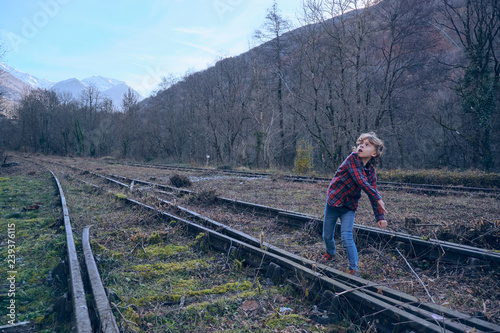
11 88
101 83
32 81
109 88
13 83
72 86
116 93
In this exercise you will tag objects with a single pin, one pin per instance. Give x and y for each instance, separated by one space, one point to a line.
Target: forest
424 75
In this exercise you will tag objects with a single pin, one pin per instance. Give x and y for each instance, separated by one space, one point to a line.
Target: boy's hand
382 224
381 207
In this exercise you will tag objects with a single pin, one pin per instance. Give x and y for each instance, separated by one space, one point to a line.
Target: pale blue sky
135 41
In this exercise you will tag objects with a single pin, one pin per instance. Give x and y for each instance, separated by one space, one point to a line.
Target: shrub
180 181
469 178
303 161
206 196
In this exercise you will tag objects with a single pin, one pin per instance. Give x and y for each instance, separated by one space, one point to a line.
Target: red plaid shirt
352 177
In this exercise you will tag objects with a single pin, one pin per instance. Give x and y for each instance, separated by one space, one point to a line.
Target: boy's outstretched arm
381 208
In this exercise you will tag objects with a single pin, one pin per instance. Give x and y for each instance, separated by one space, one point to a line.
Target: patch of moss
280 322
131 315
120 196
251 293
162 251
225 288
201 241
100 250
160 269
157 237
175 298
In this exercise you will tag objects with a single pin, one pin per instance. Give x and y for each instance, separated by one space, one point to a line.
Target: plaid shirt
352 177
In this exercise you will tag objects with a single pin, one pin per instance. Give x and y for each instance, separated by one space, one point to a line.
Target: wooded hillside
424 75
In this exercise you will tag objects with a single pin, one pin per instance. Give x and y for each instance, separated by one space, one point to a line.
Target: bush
180 181
441 177
206 196
303 161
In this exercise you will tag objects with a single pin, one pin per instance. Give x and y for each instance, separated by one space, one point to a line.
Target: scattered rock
250 305
32 207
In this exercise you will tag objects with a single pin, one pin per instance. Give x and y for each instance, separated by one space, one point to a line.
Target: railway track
415 246
334 290
408 187
430 249
103 321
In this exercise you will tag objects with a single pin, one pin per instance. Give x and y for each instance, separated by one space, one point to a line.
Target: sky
136 41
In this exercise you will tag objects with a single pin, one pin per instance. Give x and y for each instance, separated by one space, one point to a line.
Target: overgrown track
334 291
408 187
80 311
421 247
430 249
104 321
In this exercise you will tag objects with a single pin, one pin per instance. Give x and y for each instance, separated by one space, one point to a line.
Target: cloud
197 46
203 32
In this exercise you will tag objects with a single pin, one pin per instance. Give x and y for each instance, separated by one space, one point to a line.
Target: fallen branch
418 277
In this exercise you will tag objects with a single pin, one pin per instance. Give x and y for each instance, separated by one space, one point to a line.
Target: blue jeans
346 216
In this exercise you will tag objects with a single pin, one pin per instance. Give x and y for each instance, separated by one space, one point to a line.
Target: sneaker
326 257
353 272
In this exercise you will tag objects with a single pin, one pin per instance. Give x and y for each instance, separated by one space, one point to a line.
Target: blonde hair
374 140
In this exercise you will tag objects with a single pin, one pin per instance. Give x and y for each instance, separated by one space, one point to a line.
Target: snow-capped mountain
109 88
115 91
101 83
72 86
32 81
11 89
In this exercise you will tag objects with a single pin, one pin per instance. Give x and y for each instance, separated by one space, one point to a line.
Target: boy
356 173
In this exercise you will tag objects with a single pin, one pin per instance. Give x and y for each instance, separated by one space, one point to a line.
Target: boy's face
366 150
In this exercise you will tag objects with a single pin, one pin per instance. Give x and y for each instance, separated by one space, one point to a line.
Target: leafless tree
403 30
476 26
36 116
90 99
275 25
334 92
264 116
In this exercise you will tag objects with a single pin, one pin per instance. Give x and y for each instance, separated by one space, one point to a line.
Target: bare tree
229 112
37 116
90 100
274 27
264 116
400 50
334 92
476 24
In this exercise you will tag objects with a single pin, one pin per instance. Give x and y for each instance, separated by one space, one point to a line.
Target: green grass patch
35 245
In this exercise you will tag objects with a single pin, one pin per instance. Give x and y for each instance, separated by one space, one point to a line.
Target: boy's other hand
382 224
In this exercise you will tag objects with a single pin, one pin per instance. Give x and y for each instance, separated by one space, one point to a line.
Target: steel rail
106 318
81 315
